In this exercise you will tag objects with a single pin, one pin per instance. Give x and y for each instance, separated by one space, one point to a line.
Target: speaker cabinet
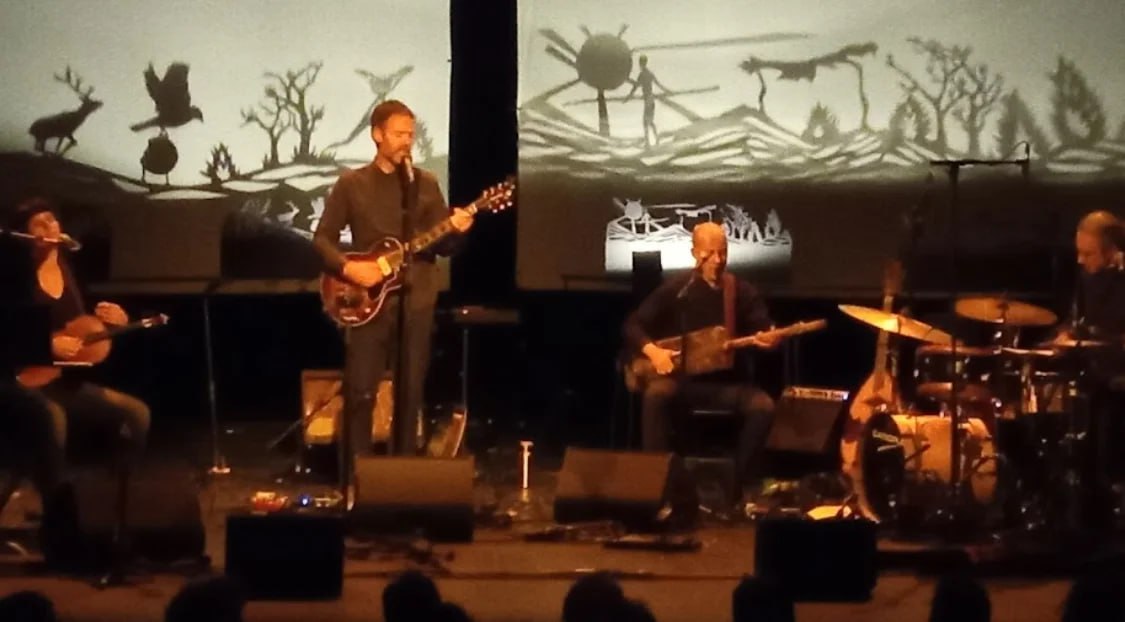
645 491
824 560
286 555
430 496
163 519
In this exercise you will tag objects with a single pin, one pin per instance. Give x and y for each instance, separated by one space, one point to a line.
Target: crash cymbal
1068 343
897 324
1004 311
946 348
943 392
1040 352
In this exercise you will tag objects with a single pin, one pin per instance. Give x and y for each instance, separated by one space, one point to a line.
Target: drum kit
1020 455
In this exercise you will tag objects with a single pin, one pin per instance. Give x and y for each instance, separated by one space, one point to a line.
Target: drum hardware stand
523 505
219 464
955 507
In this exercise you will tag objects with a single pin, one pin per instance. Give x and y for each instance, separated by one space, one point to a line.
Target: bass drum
904 460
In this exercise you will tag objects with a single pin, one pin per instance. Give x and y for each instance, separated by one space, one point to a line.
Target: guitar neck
434 234
882 343
787 331
113 331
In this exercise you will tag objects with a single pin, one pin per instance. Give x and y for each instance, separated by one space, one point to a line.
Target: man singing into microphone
370 200
687 302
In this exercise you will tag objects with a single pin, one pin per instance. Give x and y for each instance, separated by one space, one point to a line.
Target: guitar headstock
155 320
892 278
497 197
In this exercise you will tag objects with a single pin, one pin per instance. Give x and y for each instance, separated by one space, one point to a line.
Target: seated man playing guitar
66 400
707 296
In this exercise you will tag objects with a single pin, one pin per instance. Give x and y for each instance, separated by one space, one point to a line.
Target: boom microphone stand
403 430
956 507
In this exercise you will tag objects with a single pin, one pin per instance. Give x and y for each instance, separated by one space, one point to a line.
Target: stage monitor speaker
818 560
164 522
286 555
805 436
433 496
645 491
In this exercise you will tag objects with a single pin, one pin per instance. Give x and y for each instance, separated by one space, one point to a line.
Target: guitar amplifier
805 436
322 401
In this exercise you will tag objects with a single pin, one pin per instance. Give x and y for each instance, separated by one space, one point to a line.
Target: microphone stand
219 464
956 505
403 433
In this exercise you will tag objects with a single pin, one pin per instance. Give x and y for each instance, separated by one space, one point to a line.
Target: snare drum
904 456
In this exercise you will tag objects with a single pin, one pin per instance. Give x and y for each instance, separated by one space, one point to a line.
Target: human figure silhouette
645 80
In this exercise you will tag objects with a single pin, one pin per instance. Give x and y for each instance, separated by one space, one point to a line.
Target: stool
709 444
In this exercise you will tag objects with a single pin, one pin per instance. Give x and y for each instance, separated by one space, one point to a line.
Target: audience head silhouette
592 597
27 607
448 612
409 596
960 598
633 611
1096 597
215 599
759 599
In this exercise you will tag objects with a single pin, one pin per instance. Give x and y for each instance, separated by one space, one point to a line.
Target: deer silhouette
63 125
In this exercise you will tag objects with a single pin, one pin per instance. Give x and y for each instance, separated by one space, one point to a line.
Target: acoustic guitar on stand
880 390
350 304
708 349
96 340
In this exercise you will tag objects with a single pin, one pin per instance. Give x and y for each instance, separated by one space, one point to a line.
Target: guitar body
96 340
708 350
94 351
880 390
354 305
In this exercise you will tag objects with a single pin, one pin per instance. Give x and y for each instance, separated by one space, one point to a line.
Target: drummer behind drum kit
1017 460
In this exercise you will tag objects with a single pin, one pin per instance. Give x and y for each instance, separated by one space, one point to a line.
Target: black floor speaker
818 560
645 491
805 436
432 497
164 522
286 555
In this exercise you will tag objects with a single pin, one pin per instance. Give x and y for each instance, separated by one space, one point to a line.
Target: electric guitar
708 349
350 304
95 336
880 389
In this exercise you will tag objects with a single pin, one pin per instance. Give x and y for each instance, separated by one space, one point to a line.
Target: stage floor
500 576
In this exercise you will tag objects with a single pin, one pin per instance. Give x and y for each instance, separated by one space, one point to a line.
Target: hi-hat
1003 311
897 324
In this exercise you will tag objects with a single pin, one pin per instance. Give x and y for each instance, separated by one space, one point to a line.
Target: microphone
408 165
69 242
683 290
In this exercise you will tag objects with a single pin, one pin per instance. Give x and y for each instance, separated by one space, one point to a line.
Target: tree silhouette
806 70
275 118
1077 116
1017 123
943 64
291 91
978 90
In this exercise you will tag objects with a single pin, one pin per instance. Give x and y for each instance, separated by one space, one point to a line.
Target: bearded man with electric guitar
378 202
61 400
683 336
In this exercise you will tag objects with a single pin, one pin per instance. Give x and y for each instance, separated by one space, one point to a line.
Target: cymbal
945 348
897 324
943 392
1003 311
1067 343
1033 352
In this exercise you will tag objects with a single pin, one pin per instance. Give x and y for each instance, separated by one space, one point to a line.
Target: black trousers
45 418
372 351
664 406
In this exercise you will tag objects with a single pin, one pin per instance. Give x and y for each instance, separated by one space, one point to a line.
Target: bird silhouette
171 96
